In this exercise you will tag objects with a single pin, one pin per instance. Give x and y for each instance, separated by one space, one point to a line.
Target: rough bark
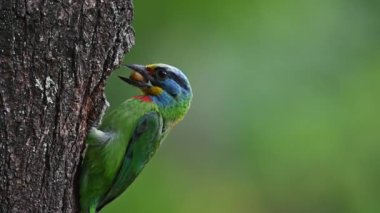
55 56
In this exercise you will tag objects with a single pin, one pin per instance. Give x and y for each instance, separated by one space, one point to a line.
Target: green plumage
107 149
128 137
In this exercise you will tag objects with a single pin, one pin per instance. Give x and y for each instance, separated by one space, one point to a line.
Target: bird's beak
140 76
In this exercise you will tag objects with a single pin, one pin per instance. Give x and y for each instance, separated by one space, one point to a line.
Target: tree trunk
54 59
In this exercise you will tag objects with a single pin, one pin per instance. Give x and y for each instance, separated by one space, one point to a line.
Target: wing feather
147 131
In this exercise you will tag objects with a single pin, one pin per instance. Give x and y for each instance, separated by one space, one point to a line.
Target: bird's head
164 83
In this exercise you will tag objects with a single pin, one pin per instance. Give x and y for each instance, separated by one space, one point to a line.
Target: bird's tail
92 210
89 209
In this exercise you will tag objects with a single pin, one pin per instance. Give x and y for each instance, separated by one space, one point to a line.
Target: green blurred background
285 116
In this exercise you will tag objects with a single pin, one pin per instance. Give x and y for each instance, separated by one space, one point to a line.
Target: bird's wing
147 131
106 149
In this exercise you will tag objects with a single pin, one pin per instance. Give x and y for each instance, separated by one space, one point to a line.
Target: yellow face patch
153 90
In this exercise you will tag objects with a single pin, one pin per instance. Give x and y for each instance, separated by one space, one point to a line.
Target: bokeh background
285 116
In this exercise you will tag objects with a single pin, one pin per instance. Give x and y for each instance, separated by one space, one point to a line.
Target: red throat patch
143 98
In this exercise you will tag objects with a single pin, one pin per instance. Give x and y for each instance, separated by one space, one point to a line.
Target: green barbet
129 136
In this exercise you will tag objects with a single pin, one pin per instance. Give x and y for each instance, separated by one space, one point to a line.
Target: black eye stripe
179 80
162 73
160 69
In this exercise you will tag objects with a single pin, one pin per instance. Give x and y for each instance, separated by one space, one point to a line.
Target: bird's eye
161 73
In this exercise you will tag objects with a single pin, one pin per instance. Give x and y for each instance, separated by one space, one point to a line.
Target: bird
128 136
